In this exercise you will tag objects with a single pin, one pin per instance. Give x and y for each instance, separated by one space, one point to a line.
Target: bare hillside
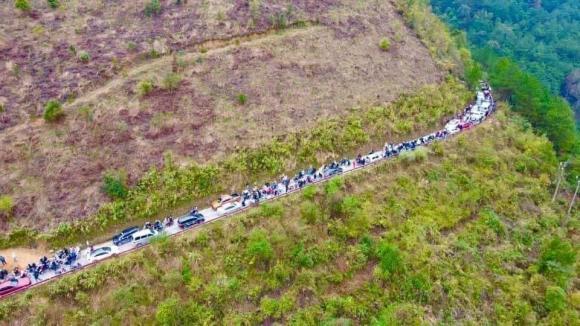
233 82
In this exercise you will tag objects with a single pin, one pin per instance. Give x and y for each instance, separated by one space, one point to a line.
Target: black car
124 236
190 220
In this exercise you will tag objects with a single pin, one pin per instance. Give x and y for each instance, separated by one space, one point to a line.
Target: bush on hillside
53 3
53 111
259 248
385 44
171 81
555 299
152 8
390 259
145 87
6 205
557 260
22 5
242 98
114 185
84 56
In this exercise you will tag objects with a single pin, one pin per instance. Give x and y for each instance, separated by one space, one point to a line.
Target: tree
22 5
53 111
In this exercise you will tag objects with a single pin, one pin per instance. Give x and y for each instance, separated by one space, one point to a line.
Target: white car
373 157
452 126
229 207
143 237
101 253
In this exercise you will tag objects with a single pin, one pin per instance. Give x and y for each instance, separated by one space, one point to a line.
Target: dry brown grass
292 79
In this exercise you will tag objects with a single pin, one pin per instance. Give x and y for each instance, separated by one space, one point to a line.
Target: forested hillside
541 35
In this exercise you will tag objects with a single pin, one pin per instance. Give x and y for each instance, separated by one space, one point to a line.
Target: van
143 237
124 236
190 220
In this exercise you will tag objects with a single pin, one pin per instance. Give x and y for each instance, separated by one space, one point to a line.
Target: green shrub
152 8
310 212
385 44
53 111
114 185
390 260
6 205
242 98
400 314
332 187
84 57
275 210
53 3
557 260
144 87
309 192
555 299
22 5
172 312
302 257
171 81
259 248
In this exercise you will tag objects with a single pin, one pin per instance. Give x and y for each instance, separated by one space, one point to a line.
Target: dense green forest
541 35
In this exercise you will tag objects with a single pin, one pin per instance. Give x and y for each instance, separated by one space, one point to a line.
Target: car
328 172
190 220
143 237
101 253
14 284
373 157
224 199
452 126
124 236
229 207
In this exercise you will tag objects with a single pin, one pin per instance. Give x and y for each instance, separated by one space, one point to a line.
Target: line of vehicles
133 237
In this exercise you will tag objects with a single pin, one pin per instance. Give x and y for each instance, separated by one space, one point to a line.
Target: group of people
64 259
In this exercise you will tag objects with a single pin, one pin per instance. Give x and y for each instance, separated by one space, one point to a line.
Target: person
2 260
14 256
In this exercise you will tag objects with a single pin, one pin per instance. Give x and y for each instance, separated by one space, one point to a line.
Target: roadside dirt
24 256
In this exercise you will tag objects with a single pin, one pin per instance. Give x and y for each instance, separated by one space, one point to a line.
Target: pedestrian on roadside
14 256
2 260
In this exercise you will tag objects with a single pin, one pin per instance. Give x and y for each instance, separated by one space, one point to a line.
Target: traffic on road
69 260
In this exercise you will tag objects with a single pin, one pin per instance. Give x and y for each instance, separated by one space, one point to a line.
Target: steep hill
240 74
463 233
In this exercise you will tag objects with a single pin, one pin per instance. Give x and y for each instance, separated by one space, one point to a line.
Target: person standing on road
2 260
14 257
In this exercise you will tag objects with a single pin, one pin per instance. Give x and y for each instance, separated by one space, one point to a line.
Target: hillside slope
462 233
212 98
